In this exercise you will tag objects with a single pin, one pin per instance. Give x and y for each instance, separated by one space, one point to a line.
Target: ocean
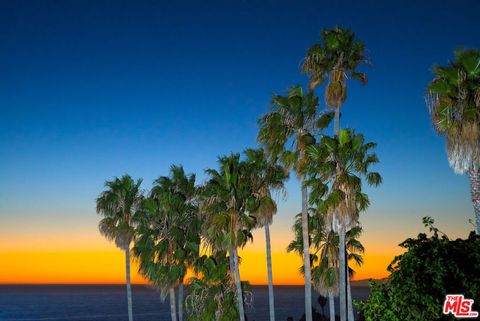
108 303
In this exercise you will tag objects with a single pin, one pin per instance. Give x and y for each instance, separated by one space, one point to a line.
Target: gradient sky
90 90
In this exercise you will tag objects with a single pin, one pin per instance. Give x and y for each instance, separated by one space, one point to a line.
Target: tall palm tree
335 58
167 235
153 252
227 225
118 205
266 177
453 98
285 132
183 186
336 168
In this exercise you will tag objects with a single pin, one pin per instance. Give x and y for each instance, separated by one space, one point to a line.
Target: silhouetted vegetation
432 267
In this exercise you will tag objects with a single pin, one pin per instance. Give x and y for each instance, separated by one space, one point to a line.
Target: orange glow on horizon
83 256
108 267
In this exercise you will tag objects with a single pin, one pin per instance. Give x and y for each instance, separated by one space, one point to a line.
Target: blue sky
95 89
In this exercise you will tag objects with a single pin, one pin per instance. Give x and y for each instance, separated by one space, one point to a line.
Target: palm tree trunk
231 256
475 193
173 310
343 303
306 255
351 317
271 302
331 306
341 234
336 122
129 289
180 301
238 284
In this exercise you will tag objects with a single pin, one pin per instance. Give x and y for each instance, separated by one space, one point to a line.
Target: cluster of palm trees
179 227
331 168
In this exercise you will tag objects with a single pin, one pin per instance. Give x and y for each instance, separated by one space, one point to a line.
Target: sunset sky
90 90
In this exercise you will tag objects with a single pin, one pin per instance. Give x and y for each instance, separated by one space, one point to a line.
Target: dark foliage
322 301
420 278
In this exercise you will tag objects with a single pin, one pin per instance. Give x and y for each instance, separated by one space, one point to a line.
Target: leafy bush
421 277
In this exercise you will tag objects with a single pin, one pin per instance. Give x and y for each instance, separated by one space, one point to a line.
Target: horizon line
147 284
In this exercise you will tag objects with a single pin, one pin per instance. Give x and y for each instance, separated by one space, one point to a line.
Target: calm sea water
108 303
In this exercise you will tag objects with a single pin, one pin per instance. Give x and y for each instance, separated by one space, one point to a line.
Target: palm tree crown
290 126
225 199
167 236
118 204
324 246
335 58
266 177
453 98
335 177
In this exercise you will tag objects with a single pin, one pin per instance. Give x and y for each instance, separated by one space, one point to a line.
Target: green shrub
420 278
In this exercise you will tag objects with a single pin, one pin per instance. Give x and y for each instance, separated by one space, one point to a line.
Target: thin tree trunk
343 303
129 289
331 306
336 123
271 302
238 284
475 193
341 234
173 310
306 255
231 256
351 316
180 301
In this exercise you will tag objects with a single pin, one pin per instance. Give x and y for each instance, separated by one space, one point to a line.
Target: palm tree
336 168
167 237
285 132
266 177
153 252
184 187
453 98
227 225
323 255
354 251
335 58
118 205
325 274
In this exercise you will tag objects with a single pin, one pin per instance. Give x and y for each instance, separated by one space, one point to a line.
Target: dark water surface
109 303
